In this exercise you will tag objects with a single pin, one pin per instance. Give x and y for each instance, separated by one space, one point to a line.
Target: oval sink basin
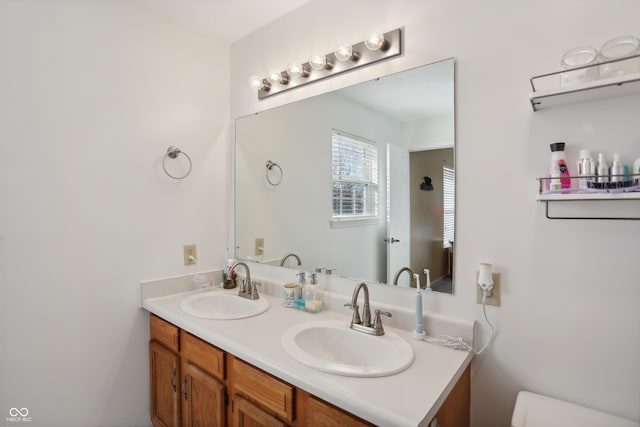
333 347
222 306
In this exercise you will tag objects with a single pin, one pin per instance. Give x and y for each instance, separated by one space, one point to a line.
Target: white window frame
363 174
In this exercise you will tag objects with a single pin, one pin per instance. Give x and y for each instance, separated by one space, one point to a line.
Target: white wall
91 95
430 134
569 325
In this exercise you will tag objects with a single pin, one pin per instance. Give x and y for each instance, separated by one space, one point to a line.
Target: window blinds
448 203
355 177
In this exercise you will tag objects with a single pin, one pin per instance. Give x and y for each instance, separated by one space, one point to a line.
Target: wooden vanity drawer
206 356
164 332
266 390
320 413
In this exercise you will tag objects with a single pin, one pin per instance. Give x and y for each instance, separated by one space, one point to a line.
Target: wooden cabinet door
203 399
246 414
164 373
456 409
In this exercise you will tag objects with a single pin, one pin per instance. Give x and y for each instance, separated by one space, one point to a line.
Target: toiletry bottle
418 333
554 182
603 169
635 172
302 281
627 178
617 171
586 169
557 157
229 276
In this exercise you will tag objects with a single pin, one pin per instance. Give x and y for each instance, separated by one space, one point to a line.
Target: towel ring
270 165
172 152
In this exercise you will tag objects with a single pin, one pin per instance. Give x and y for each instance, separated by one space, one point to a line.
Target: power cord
458 343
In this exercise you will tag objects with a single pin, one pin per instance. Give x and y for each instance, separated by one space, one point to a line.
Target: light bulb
259 83
297 70
318 62
345 53
375 41
277 77
274 77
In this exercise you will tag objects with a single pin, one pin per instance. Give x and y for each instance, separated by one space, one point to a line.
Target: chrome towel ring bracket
278 179
172 153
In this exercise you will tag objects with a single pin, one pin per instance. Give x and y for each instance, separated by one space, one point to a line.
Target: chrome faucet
364 324
284 258
247 289
408 270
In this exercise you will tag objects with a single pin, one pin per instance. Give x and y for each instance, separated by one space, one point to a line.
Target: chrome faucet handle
356 315
377 321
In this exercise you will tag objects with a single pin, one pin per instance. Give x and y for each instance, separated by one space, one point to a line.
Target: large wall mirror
359 181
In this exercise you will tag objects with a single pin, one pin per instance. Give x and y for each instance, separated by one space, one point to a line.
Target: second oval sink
222 306
333 347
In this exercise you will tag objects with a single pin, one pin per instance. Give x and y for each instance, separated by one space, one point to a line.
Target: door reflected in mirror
396 212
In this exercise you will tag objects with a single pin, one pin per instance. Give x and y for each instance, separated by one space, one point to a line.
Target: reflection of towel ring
270 166
173 152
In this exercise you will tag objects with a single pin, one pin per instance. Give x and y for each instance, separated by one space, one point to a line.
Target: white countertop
410 398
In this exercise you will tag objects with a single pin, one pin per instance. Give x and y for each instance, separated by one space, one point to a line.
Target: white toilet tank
535 410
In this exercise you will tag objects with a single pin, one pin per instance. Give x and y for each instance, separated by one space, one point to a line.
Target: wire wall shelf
618 201
583 84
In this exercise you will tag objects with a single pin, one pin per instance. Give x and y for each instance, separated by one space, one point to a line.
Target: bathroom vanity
235 372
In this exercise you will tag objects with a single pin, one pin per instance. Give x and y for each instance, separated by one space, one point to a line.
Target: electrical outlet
189 250
494 299
259 250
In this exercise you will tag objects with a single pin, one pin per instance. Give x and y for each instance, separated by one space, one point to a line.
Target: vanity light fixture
377 47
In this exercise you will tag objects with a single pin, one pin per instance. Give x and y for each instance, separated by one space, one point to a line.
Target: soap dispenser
312 295
307 291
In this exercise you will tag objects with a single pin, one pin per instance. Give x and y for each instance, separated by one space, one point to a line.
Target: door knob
392 240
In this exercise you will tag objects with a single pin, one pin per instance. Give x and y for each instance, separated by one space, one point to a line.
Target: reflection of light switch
259 246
